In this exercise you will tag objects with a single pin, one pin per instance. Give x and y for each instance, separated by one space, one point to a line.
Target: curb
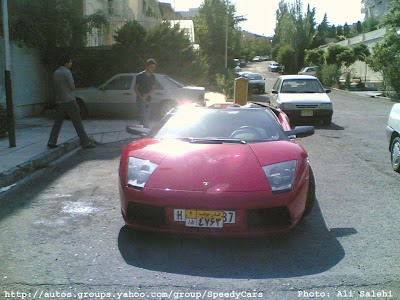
38 162
41 161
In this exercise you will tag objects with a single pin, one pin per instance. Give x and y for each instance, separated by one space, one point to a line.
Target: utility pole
226 38
7 77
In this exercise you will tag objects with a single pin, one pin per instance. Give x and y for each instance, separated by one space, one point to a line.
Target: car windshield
229 125
301 86
253 76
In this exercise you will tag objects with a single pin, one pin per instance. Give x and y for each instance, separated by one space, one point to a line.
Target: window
119 83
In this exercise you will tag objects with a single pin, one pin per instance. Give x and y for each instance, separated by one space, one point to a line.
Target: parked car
274 67
256 59
217 171
393 134
309 71
242 63
303 97
117 96
256 82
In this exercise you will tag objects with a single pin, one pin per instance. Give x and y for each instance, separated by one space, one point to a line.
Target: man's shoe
51 146
89 146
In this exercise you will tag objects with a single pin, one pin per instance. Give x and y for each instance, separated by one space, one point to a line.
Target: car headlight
280 176
325 106
288 106
139 171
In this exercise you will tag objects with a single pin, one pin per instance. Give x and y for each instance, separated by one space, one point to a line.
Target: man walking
64 87
145 84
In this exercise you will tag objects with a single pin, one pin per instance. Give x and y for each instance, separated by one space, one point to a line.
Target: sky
261 14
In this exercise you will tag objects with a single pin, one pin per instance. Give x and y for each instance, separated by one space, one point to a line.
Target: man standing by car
145 84
64 87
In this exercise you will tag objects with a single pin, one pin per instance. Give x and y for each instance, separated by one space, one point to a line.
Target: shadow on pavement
310 249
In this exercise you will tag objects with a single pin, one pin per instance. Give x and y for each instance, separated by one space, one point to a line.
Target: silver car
393 135
117 96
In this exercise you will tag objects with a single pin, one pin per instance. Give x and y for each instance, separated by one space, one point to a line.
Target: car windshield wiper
212 141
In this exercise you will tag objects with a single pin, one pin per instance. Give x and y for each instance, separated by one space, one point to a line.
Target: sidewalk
32 134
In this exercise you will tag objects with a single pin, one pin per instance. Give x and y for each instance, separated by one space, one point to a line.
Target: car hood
214 167
310 98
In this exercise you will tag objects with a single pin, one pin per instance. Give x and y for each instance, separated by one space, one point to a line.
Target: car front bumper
297 114
256 213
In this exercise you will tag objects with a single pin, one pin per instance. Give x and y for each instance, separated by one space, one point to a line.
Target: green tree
296 29
392 17
346 30
361 52
286 57
48 25
211 25
129 47
315 57
385 58
333 54
174 53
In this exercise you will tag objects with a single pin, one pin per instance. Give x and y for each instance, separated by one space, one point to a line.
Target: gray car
117 97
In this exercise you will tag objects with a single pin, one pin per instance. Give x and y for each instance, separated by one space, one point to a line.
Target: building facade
117 13
375 8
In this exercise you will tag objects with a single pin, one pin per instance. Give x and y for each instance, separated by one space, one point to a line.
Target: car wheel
310 195
395 154
82 108
166 106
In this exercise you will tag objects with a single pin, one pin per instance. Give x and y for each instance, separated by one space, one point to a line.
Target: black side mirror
301 131
328 91
274 92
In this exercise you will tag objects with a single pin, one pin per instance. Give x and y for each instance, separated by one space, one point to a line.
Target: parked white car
303 97
117 96
393 134
309 71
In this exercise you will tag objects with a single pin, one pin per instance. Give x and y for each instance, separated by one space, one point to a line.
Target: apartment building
119 12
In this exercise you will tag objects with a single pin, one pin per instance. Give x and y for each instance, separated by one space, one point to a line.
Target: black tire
395 154
310 195
82 108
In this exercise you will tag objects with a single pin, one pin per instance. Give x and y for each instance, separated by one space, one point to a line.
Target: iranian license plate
307 113
204 218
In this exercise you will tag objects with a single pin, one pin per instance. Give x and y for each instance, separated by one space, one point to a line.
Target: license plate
307 113
204 218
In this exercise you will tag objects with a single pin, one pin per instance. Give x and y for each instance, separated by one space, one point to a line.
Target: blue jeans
144 113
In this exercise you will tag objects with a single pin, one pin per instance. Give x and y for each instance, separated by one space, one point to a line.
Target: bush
3 121
226 83
329 75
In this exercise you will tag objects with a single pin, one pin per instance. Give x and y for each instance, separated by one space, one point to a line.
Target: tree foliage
296 29
215 20
315 57
386 59
47 25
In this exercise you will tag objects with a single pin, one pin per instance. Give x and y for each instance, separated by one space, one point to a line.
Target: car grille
306 106
268 217
146 214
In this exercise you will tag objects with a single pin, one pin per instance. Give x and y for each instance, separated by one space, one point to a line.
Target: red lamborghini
217 170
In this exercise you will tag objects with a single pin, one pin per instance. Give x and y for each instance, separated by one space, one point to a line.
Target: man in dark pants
145 84
64 87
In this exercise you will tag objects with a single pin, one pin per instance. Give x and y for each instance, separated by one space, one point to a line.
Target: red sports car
217 171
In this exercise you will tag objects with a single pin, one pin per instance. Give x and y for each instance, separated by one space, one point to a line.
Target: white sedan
117 96
393 135
303 97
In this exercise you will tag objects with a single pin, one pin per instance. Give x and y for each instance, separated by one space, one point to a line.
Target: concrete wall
360 69
30 81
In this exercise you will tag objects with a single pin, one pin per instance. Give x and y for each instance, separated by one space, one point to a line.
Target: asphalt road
62 235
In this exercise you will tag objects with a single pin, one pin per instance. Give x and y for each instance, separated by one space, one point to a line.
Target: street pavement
32 134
